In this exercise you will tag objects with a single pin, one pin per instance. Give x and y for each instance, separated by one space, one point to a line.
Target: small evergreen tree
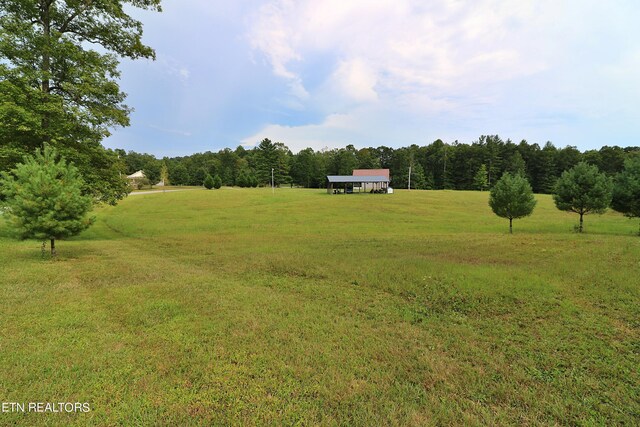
481 180
626 191
246 178
418 180
208 182
44 200
217 182
583 189
243 179
512 198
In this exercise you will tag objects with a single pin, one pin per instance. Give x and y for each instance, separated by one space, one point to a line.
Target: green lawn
165 188
242 307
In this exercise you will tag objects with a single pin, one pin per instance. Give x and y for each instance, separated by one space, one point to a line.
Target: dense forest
438 165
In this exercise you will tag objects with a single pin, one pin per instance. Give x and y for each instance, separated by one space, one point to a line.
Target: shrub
208 182
143 182
217 182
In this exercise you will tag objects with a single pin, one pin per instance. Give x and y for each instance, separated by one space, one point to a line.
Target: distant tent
135 175
135 178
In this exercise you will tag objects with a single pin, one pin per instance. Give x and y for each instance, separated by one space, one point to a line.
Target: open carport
337 184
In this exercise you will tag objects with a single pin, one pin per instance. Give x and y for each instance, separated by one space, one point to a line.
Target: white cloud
368 125
355 79
173 67
271 37
328 134
441 45
171 131
184 73
455 60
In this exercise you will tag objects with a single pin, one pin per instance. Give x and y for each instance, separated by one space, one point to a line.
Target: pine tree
243 179
626 191
266 160
481 180
217 182
208 182
583 189
512 198
44 200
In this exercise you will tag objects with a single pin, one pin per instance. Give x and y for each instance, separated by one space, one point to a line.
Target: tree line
439 165
59 98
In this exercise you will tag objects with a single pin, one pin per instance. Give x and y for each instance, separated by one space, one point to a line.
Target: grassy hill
239 306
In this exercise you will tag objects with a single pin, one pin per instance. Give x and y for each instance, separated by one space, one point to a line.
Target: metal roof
371 172
351 178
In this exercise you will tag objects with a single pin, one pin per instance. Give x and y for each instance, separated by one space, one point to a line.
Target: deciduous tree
56 88
179 174
164 173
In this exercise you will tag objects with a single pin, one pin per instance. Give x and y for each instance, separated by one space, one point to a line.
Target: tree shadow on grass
31 251
86 244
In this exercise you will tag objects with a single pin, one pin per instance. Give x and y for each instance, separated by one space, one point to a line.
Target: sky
328 73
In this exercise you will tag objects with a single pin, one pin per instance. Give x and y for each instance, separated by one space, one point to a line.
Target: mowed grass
243 307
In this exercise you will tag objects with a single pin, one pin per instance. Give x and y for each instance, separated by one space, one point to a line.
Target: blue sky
329 73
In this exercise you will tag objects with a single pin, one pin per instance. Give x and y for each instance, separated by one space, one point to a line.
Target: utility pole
273 189
409 186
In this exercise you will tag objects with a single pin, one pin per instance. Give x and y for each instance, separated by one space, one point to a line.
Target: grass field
243 307
165 188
